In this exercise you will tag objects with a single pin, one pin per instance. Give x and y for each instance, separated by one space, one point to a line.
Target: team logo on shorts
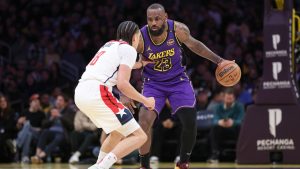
124 116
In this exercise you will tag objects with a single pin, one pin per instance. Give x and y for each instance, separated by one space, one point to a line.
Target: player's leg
108 113
130 143
134 138
146 120
182 101
187 117
109 143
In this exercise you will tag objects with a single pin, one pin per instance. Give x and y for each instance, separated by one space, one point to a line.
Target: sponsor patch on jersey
170 42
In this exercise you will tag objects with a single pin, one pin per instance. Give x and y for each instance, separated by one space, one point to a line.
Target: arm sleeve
127 54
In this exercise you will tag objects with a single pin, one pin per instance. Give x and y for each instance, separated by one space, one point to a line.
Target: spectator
45 102
8 130
227 120
57 130
31 121
84 135
217 98
42 33
50 138
202 99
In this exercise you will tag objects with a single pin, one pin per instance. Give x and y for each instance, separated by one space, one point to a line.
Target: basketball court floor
162 166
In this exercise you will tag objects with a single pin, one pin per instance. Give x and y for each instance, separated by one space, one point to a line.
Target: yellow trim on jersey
143 43
176 35
160 42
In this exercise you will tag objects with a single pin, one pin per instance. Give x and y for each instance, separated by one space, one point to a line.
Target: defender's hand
150 103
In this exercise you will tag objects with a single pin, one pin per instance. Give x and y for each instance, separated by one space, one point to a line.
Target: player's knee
141 135
116 135
191 125
143 138
146 119
188 119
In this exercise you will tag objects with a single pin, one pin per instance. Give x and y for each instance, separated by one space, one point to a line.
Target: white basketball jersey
105 64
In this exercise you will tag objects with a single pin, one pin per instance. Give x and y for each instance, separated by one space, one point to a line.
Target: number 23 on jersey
163 64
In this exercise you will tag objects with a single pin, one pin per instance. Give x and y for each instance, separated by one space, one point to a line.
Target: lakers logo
163 54
170 42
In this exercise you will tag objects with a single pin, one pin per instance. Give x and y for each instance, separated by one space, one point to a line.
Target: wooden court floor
162 166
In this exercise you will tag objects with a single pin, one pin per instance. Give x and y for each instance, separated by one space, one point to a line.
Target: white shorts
105 111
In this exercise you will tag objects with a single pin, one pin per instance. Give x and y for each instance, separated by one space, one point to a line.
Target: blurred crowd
51 41
45 45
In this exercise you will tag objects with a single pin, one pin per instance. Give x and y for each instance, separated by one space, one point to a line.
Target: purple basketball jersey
167 56
166 78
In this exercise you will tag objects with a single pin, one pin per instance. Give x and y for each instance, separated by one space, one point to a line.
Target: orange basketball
228 73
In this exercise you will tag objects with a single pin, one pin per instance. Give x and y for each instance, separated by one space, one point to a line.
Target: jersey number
96 57
163 65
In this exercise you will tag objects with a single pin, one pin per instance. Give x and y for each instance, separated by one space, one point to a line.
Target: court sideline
162 166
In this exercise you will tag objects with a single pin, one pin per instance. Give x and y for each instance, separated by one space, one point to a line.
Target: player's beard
157 32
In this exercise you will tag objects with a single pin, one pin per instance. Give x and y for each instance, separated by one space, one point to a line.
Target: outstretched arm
184 36
141 62
127 89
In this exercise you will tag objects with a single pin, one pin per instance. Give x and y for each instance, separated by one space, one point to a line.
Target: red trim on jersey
109 100
120 41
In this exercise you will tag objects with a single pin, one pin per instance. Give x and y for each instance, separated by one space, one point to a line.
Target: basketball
228 73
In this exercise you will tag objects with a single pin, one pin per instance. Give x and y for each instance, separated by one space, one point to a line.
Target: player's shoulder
126 47
144 27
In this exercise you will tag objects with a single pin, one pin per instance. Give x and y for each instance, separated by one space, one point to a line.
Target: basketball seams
228 82
228 73
240 75
218 69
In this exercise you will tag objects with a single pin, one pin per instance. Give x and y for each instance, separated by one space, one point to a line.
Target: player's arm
127 89
140 50
141 63
184 36
127 61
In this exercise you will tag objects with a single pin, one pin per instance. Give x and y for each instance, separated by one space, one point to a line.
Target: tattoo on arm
183 34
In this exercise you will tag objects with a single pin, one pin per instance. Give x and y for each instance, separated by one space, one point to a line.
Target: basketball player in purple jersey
165 78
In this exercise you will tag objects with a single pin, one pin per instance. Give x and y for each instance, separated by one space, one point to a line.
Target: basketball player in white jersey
112 66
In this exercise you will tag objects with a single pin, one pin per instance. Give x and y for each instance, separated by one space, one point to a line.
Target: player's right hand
150 103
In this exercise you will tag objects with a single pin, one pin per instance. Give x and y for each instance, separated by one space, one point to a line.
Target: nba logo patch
170 42
124 116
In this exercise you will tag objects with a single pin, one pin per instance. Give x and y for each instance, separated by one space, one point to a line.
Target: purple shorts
179 92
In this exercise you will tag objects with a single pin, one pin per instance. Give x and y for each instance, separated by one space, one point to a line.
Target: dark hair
6 112
229 91
156 6
64 96
126 30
